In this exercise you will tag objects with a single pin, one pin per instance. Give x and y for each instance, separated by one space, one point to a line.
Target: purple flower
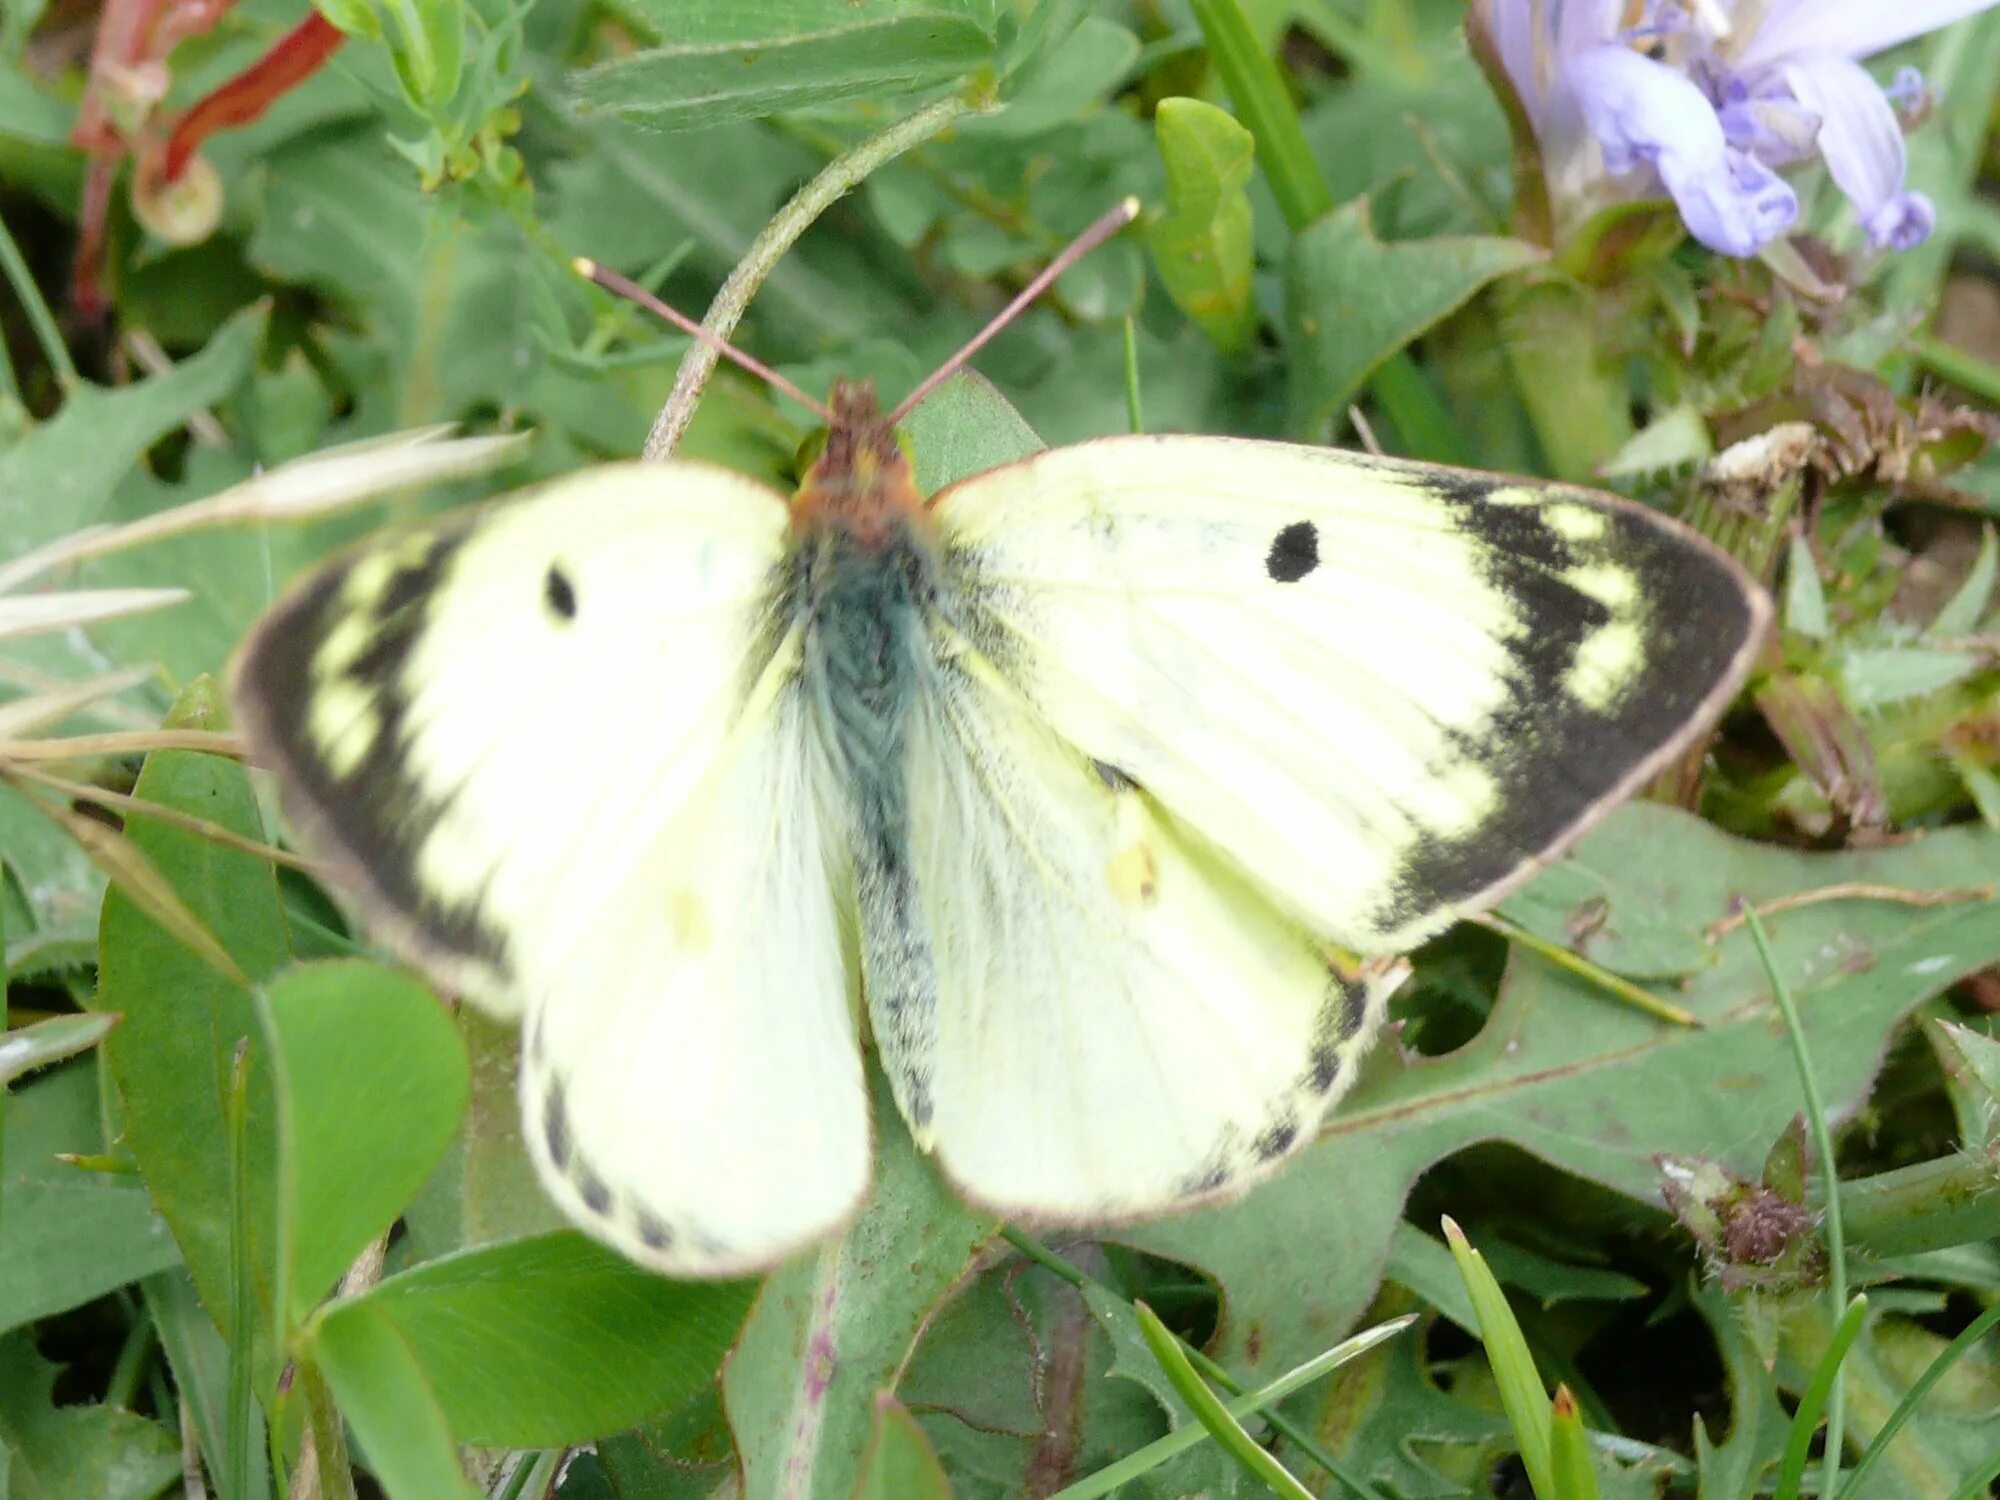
1706 99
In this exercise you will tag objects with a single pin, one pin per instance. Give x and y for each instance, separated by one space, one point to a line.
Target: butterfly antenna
631 291
1124 213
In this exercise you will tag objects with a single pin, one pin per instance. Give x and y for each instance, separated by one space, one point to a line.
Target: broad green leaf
172 1055
59 476
540 1343
899 1463
835 1325
1351 301
68 1235
1592 1087
1202 242
75 1452
718 62
374 1085
386 1398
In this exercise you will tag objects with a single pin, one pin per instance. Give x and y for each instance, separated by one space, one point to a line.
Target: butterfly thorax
861 483
864 578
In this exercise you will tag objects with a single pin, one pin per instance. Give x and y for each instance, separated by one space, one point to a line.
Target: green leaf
900 1463
68 1235
73 1452
1351 301
1757 1420
834 1326
1522 1394
1066 82
1571 1470
1258 91
1212 1414
1805 595
1876 677
27 1048
1592 1087
719 62
1978 1057
1202 242
1966 607
426 45
59 476
387 1399
966 428
374 1083
172 1055
540 1343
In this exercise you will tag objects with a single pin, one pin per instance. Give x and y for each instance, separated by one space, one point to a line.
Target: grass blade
1913 1398
1522 1394
1805 1421
1210 1411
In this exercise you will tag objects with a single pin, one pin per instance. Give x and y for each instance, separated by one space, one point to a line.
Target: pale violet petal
1644 114
1902 223
1852 28
1862 142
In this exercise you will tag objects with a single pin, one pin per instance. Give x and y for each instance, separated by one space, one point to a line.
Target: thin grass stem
1836 1233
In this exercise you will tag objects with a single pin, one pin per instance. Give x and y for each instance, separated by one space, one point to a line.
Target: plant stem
1836 1234
838 177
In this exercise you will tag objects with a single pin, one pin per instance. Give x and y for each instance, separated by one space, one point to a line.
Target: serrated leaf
1876 677
1591 1087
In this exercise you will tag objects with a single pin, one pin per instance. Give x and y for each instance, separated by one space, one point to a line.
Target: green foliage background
195 1201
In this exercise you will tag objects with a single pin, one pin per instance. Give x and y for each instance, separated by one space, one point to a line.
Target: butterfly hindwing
1108 1020
1387 691
555 749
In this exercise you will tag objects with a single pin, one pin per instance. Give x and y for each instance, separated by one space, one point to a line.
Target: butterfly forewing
1387 691
554 747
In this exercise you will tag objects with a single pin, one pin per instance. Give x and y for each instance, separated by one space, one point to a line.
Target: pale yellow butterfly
1101 788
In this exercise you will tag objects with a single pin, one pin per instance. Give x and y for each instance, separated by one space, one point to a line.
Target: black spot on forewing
1552 757
559 594
1294 552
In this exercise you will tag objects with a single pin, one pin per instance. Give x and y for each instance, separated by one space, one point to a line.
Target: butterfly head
861 482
